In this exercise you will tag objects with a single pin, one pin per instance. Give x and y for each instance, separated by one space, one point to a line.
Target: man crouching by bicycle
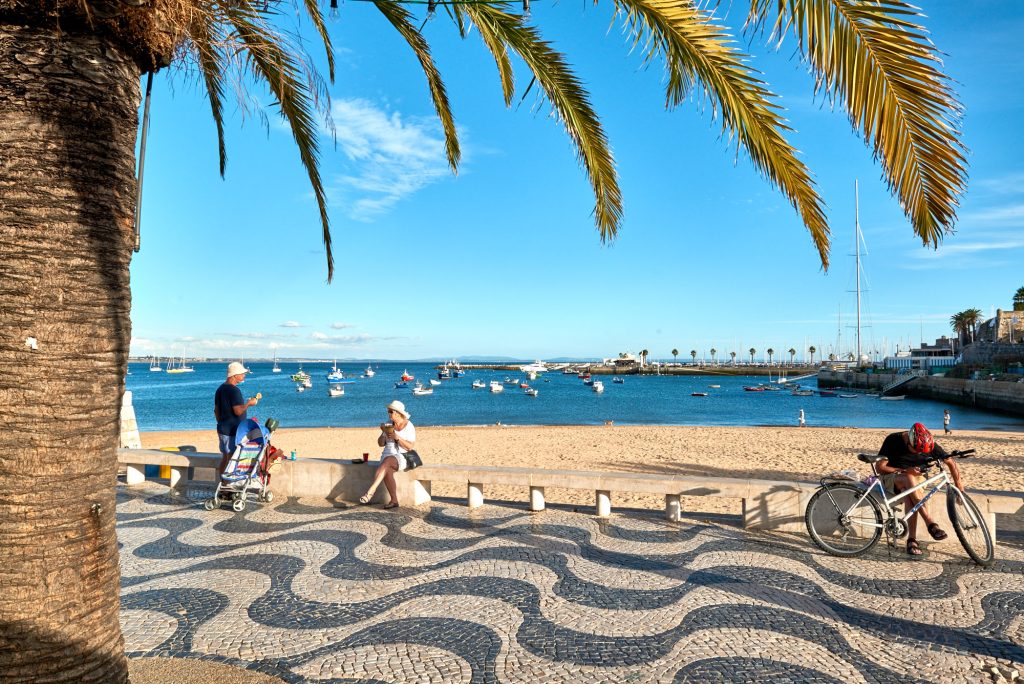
905 452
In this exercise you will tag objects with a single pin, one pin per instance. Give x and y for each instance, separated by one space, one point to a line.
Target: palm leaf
313 9
498 49
399 18
569 99
699 52
205 37
880 64
271 57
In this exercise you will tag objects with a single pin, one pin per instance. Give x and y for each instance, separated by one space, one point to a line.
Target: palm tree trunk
68 119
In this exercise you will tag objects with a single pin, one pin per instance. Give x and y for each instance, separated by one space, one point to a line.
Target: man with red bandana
905 452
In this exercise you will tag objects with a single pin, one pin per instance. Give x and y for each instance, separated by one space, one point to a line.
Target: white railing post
672 507
604 504
475 494
536 498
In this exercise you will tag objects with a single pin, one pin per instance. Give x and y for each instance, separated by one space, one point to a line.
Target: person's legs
227 447
389 482
386 469
903 483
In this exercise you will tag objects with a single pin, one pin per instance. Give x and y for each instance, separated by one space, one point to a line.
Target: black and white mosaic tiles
498 594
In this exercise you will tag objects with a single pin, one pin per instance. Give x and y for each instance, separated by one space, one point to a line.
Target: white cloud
291 324
390 157
1010 184
341 326
1010 215
319 336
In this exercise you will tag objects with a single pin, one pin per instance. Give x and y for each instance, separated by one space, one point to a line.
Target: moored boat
497 386
420 391
598 386
478 384
617 380
698 394
335 390
530 392
898 397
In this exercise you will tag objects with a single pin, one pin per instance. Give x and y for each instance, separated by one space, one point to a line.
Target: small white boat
478 384
155 366
532 375
715 386
617 380
300 375
497 386
598 386
899 397
276 368
300 388
334 391
420 391
530 392
307 383
434 382
368 372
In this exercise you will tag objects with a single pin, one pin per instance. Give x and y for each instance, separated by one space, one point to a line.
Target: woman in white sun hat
398 437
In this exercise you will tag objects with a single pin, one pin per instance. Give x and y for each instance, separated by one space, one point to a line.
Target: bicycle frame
937 482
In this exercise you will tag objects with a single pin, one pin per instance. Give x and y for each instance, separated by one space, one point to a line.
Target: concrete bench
767 504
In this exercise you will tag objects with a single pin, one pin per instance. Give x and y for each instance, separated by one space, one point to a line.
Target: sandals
937 533
392 504
364 499
913 548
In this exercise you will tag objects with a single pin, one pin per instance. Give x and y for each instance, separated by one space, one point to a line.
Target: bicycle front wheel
842 521
970 527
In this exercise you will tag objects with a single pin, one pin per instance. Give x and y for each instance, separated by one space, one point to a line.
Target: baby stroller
248 471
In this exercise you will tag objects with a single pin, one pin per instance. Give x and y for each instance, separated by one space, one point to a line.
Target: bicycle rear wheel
840 522
970 527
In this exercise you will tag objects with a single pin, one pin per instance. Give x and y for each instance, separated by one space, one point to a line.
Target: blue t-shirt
228 396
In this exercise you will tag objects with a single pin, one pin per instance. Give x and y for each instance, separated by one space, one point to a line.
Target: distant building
925 357
1006 328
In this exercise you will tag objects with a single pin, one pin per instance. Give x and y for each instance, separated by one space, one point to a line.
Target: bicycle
845 517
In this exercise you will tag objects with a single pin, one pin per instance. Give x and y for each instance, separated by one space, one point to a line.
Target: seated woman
398 437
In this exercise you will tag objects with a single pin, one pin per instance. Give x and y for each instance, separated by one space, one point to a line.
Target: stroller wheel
210 504
268 497
238 506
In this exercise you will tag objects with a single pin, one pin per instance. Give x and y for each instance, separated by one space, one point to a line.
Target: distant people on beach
229 409
905 452
398 437
803 421
945 422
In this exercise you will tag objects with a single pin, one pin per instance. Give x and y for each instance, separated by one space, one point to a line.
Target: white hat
235 368
400 407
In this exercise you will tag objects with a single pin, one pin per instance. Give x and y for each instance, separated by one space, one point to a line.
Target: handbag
412 460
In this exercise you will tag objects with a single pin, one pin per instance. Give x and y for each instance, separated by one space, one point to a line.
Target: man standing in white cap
229 409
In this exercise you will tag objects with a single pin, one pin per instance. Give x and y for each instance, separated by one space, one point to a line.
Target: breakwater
989 395
604 369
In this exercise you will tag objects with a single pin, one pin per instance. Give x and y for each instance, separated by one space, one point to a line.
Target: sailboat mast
856 238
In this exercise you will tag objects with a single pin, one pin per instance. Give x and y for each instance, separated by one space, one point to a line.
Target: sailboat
181 367
368 372
276 368
336 374
154 365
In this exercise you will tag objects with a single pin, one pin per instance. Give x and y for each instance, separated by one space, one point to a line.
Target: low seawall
990 395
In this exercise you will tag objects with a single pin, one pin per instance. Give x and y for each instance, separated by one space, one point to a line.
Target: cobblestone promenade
442 594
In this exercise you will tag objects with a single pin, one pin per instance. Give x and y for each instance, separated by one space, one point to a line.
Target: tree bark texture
68 121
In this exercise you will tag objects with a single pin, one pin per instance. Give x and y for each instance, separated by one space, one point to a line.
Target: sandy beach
777 453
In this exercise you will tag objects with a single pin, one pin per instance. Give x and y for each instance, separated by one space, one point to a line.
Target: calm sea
185 401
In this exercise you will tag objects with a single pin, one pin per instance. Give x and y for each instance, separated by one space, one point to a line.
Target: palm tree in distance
769 352
643 357
713 352
972 319
752 352
675 354
1018 299
812 349
81 79
957 322
732 356
792 353
693 355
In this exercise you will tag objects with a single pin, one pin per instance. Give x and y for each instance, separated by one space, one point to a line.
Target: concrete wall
1004 397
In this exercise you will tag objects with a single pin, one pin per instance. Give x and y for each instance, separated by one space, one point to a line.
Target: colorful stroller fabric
247 473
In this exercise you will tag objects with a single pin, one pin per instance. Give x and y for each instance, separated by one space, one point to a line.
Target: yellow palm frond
205 34
569 99
698 52
498 49
399 18
273 59
877 60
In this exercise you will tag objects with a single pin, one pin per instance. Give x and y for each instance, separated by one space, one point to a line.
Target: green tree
770 352
713 352
752 352
972 319
693 355
69 97
732 356
675 354
812 349
792 353
1018 299
643 357
959 324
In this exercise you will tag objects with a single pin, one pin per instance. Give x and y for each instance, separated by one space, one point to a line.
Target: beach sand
774 453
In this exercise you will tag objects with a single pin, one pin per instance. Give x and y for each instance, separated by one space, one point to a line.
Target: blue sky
504 258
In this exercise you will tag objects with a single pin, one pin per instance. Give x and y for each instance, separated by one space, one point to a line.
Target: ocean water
185 401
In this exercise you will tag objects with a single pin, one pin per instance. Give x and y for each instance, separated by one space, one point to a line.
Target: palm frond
313 9
399 18
698 52
272 59
498 49
569 99
877 60
205 35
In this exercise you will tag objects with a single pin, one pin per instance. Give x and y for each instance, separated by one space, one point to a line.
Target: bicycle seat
871 458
